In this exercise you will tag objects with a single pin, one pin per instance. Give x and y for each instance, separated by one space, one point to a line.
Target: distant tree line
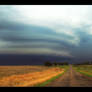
48 63
85 63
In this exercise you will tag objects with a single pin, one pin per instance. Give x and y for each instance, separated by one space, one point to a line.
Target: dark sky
59 32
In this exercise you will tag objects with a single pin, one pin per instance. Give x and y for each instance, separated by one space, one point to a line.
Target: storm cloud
62 30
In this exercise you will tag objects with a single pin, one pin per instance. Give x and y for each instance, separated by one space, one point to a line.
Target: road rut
71 78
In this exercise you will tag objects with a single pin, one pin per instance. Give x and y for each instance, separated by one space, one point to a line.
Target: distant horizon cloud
61 30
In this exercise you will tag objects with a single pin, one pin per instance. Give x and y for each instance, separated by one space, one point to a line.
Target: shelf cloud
60 30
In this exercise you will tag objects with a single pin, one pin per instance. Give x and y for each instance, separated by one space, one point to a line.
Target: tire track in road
71 78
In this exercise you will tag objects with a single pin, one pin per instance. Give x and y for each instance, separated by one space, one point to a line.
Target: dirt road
71 78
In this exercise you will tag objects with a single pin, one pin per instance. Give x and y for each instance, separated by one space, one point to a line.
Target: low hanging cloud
45 29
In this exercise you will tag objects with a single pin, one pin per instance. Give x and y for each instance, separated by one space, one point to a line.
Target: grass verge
48 81
52 79
84 73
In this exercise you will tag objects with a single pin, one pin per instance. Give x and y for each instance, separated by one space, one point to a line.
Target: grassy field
19 76
6 71
84 69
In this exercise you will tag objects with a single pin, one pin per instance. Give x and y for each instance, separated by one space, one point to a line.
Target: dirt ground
71 78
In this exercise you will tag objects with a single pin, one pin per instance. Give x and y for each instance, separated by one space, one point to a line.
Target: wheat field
22 76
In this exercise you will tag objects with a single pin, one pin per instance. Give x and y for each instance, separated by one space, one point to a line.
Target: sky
53 30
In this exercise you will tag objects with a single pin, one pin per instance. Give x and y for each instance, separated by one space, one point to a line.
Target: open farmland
19 76
6 71
42 76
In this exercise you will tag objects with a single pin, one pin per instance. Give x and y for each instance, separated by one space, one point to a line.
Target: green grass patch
84 68
53 78
84 73
48 81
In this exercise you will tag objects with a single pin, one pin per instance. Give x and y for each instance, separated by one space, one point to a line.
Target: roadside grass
48 81
53 78
84 69
85 74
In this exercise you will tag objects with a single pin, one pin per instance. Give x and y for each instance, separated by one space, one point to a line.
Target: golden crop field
16 70
20 76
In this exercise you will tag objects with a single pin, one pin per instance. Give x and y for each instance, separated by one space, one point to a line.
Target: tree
48 63
55 63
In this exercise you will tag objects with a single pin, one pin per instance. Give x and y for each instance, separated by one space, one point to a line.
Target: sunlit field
21 76
84 69
17 70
